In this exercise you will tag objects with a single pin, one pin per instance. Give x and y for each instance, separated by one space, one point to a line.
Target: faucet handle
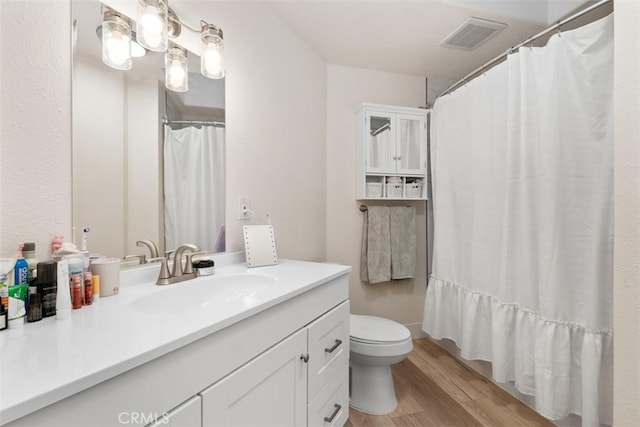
164 276
168 254
188 268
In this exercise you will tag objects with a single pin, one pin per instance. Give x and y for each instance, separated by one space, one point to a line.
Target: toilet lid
376 329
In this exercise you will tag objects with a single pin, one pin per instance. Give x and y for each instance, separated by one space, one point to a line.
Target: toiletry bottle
88 288
29 254
47 276
76 291
76 272
4 291
34 312
63 296
96 287
21 269
4 318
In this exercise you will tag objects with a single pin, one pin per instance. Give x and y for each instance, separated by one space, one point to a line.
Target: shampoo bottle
21 269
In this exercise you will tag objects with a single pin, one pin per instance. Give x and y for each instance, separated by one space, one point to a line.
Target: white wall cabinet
391 152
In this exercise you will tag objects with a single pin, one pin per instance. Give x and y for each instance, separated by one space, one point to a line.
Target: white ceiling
402 36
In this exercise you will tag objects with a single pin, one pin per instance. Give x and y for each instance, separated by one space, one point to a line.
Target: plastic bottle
48 286
21 269
63 296
29 254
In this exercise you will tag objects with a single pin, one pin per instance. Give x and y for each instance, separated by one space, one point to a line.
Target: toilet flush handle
334 346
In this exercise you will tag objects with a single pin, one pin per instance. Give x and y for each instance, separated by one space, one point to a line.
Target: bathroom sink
205 293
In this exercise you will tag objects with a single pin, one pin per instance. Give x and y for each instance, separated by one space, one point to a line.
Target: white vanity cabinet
391 143
274 388
286 365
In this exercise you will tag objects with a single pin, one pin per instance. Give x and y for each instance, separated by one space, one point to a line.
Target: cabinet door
271 390
188 414
411 147
380 143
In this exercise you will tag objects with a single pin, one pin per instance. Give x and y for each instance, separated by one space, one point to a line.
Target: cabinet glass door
410 155
380 149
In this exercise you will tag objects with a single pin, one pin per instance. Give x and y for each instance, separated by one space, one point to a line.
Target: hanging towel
403 241
375 265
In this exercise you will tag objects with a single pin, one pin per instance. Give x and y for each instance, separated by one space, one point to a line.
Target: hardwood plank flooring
435 389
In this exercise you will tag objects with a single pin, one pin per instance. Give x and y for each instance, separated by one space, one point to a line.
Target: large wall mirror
148 163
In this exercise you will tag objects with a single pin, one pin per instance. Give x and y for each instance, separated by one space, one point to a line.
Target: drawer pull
304 358
333 347
335 412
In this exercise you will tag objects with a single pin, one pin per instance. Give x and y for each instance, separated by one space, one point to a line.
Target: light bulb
176 74
117 48
116 41
212 59
152 25
176 69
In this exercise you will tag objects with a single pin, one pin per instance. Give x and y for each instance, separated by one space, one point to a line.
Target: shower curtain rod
193 122
509 51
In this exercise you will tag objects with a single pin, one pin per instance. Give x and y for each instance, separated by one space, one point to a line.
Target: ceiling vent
472 33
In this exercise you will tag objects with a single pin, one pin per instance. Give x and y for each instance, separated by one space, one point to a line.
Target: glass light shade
176 71
137 51
116 43
151 25
212 59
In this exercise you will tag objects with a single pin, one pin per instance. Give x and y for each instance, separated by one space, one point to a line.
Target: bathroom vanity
262 346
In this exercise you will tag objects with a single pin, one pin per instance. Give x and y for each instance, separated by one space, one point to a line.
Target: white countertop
47 361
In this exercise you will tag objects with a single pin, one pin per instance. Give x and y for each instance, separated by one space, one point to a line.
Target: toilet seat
376 330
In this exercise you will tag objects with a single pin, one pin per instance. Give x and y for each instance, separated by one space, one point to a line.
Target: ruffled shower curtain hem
566 366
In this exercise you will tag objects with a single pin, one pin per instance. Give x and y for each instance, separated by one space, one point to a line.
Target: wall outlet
244 208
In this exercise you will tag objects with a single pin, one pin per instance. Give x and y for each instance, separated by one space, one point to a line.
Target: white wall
346 89
276 98
35 123
626 303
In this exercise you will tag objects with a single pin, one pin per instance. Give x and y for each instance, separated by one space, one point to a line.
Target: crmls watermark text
142 418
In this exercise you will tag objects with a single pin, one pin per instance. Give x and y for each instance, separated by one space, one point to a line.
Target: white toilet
376 344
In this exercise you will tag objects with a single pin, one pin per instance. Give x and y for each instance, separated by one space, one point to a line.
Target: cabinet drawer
331 406
328 347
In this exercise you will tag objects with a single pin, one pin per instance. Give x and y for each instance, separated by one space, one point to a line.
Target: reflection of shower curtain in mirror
193 186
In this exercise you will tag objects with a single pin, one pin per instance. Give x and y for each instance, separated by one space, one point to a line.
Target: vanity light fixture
116 40
176 71
212 59
156 23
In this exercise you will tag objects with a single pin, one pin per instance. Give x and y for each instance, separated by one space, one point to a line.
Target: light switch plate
259 245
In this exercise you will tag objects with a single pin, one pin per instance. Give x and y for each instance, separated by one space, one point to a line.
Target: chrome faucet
178 274
153 249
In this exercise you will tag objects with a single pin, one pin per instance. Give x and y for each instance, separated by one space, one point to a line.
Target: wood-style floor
435 389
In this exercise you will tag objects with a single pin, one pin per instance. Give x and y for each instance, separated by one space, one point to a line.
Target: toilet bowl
375 345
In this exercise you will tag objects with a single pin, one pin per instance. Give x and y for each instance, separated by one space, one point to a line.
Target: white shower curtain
194 185
523 213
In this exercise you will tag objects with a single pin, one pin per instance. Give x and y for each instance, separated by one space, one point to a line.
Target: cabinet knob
304 358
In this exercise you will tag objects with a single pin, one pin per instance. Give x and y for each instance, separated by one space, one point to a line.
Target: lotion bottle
63 297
